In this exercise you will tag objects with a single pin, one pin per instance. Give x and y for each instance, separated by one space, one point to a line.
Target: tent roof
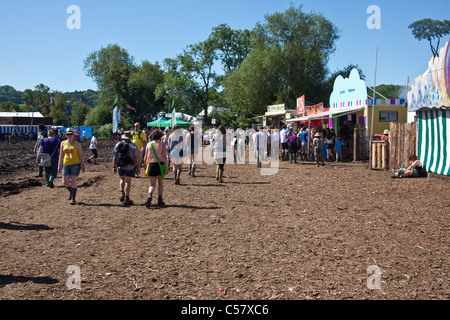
327 114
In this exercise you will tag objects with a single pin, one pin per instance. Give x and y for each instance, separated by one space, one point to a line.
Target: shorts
71 170
154 169
284 146
127 173
94 153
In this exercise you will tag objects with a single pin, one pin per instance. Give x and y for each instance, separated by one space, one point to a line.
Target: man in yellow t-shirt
139 138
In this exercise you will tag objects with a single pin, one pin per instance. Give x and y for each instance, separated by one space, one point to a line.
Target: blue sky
37 47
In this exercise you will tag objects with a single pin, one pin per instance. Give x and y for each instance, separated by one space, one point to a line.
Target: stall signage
300 106
277 107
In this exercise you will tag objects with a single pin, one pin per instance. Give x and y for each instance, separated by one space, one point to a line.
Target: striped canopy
433 139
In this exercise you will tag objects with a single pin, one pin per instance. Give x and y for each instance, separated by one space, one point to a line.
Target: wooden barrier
402 143
379 155
360 144
389 155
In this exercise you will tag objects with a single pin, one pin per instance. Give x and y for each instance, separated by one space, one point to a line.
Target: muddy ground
304 233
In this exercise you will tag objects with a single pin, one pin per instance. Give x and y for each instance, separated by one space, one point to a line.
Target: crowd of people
157 151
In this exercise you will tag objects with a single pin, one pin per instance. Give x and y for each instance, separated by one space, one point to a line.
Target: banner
116 119
300 106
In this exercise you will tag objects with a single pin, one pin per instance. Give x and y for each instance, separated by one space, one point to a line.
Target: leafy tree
190 76
8 106
232 46
141 86
431 30
8 93
104 65
289 57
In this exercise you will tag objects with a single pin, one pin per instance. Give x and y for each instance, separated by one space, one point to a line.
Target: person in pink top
151 160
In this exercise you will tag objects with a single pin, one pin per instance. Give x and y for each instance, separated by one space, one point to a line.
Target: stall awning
327 114
279 113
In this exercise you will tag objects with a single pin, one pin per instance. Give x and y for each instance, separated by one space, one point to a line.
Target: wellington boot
221 176
70 193
178 176
217 173
73 201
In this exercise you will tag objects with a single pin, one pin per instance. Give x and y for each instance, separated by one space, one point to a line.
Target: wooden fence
360 144
379 155
402 143
389 155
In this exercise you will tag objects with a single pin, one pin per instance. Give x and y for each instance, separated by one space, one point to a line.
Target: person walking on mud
71 161
219 144
51 146
176 147
41 135
126 161
155 157
318 149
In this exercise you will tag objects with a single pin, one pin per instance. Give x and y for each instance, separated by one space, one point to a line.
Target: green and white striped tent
433 139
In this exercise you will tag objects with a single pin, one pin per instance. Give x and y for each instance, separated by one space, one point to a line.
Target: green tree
431 30
59 112
289 58
141 87
191 76
232 46
8 106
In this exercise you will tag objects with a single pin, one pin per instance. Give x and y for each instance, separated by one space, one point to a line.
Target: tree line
282 58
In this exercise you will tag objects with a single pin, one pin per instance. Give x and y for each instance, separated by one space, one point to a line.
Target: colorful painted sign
300 106
349 92
431 90
318 108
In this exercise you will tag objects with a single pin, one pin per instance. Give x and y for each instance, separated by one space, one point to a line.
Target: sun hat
70 131
126 135
94 133
386 131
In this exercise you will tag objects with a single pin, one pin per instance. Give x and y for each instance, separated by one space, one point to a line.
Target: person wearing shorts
93 147
71 161
151 160
127 172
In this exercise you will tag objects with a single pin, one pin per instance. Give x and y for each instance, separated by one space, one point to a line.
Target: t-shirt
304 136
339 145
138 139
283 135
220 146
93 144
50 146
133 151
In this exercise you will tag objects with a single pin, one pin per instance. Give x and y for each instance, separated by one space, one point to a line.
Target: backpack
122 156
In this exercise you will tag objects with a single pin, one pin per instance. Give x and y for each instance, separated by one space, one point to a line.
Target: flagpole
373 97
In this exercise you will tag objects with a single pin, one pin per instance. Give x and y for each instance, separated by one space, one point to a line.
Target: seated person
415 170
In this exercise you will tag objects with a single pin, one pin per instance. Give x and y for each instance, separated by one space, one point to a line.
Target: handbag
162 168
46 159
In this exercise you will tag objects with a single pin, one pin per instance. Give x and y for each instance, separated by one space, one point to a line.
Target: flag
116 99
68 110
173 121
130 107
31 106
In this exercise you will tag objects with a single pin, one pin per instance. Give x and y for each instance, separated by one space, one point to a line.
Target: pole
373 97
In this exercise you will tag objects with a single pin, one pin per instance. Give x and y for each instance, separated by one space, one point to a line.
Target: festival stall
277 115
429 98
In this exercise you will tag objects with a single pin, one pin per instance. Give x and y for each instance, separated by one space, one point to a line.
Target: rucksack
123 157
